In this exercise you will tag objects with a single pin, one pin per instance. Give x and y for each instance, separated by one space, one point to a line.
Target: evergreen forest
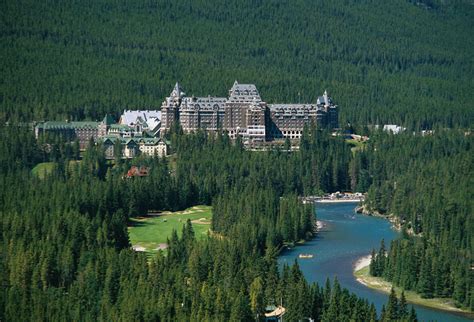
426 184
65 253
400 62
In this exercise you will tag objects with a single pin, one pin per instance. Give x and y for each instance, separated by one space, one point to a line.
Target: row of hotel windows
287 134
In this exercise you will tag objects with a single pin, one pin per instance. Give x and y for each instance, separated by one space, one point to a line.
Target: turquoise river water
345 238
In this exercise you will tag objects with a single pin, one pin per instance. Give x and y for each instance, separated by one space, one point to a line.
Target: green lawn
150 233
355 145
42 169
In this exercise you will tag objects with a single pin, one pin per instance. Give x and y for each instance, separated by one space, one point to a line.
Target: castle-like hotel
244 113
241 114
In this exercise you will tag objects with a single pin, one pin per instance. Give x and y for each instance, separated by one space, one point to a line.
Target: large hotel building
244 113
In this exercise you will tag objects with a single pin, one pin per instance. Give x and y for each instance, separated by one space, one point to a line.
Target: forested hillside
404 62
64 247
426 184
65 253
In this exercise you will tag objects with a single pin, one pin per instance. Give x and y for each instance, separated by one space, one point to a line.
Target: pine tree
372 313
381 259
412 317
373 264
327 294
240 310
392 309
257 298
425 283
402 307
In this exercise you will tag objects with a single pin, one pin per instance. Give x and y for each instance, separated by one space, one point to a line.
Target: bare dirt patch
201 221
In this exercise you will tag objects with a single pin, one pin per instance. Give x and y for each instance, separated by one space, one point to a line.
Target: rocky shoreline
394 220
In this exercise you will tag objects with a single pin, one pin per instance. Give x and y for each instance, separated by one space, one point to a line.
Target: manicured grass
42 169
382 285
355 145
150 233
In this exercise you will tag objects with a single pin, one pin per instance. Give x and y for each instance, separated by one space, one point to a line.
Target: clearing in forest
42 169
149 233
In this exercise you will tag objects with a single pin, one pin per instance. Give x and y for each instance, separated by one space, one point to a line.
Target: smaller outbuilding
132 147
137 172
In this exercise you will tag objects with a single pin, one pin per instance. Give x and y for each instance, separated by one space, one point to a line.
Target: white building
152 146
132 147
142 120
395 129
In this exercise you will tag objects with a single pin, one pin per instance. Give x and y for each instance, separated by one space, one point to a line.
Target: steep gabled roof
244 93
151 117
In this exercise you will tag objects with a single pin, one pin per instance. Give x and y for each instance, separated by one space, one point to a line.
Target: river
345 238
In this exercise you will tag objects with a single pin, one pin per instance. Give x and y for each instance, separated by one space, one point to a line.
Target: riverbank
361 273
336 197
320 225
337 200
393 219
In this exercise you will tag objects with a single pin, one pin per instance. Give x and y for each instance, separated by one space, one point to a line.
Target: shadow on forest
135 223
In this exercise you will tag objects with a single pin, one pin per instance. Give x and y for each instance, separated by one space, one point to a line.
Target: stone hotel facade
244 113
136 133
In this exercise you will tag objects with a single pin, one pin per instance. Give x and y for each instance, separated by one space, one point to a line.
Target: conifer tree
392 309
402 307
257 298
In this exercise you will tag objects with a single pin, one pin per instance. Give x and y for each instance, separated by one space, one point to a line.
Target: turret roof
177 91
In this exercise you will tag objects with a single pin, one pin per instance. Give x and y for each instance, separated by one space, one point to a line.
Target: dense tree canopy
384 62
65 252
426 183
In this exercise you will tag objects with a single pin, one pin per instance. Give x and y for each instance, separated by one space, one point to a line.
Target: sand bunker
162 246
138 248
201 221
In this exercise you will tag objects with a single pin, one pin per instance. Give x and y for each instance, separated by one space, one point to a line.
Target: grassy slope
149 232
355 145
45 168
382 285
41 169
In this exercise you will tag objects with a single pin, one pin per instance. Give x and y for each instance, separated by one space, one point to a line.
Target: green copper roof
148 140
120 127
77 125
61 125
55 125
